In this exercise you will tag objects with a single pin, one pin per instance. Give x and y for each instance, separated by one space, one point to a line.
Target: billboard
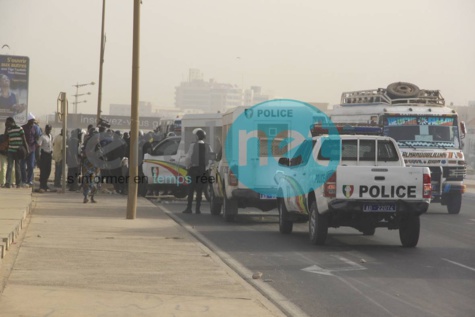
14 87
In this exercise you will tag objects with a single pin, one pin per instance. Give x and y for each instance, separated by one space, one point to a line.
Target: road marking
352 266
316 269
459 264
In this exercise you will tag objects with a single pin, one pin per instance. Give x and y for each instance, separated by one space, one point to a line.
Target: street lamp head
82 85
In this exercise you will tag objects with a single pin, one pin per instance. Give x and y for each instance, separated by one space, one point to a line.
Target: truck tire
409 230
402 90
230 209
285 225
454 203
215 207
317 226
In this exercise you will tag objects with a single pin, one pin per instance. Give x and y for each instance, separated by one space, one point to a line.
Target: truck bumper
448 189
453 188
357 206
250 198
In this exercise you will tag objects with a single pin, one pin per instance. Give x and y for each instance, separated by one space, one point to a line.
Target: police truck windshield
423 131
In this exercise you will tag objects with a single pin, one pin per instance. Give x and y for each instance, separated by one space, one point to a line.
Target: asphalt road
354 275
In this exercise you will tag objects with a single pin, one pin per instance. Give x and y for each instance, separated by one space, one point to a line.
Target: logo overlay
269 146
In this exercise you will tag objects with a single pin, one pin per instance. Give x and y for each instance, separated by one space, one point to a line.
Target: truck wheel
317 226
402 90
285 226
215 207
454 203
409 229
230 209
369 232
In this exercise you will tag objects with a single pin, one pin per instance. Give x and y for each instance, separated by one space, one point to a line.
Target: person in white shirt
46 151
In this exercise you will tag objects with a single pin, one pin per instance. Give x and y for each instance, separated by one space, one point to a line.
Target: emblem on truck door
348 190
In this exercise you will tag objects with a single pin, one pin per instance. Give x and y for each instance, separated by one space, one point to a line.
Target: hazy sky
300 49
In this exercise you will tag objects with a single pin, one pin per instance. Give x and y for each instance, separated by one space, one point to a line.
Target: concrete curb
13 216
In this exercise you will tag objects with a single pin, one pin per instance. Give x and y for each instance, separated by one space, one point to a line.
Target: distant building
145 109
167 113
254 96
211 96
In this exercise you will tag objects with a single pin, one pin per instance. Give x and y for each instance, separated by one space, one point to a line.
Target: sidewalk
87 260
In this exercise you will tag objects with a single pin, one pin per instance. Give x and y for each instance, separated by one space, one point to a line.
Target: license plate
379 207
264 196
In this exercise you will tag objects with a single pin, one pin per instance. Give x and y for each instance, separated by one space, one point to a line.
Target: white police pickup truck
369 187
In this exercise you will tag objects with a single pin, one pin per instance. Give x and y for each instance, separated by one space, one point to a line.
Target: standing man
16 143
46 151
32 134
90 173
58 159
3 158
197 161
73 151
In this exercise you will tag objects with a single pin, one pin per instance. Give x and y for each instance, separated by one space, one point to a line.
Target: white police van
165 166
244 169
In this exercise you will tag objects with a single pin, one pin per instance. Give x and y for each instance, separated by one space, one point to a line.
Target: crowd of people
94 156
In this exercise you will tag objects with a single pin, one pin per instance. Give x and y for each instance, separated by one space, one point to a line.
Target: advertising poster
14 87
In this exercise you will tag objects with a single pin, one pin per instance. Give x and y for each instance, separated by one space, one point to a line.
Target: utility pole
62 113
101 62
134 122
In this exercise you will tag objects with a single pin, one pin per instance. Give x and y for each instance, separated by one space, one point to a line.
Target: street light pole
76 99
78 85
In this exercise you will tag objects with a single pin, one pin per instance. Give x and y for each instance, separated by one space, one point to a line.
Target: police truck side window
367 149
330 149
387 151
349 150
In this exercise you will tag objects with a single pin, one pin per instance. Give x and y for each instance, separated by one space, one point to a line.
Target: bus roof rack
380 96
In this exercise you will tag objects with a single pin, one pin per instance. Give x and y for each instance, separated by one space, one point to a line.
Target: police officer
197 160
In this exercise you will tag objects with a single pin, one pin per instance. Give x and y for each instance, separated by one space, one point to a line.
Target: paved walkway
87 260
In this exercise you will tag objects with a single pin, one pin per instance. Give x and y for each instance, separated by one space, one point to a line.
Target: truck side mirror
463 129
